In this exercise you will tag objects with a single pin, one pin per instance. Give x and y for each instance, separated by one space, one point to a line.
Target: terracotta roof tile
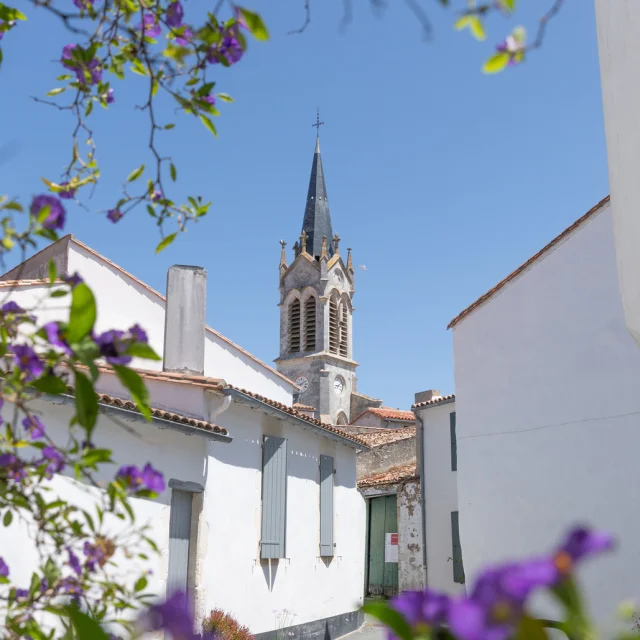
12 284
483 298
439 400
392 476
387 413
379 437
303 407
161 413
217 384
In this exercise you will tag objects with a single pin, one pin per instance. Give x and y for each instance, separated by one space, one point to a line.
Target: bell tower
316 294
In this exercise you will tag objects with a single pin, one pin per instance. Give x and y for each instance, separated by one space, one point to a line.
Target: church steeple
317 220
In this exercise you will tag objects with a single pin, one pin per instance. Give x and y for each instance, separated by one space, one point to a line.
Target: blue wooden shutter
179 534
274 497
326 506
458 567
454 446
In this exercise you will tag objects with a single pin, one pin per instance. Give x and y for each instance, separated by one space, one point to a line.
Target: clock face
338 386
337 276
303 383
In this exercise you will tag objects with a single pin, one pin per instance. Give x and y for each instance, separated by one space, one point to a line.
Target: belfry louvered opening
294 326
333 326
344 330
310 324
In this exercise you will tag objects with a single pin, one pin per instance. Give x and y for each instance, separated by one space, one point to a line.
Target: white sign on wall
391 547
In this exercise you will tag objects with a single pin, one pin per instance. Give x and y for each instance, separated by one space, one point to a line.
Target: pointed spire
323 251
317 220
349 260
336 242
283 254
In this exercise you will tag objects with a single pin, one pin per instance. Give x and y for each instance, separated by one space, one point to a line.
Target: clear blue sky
443 180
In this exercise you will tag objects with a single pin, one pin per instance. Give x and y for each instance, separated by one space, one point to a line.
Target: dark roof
514 274
317 221
375 437
392 476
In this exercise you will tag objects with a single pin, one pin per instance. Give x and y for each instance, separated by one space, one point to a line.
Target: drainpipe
423 497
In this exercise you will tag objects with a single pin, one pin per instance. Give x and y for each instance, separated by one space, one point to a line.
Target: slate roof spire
317 220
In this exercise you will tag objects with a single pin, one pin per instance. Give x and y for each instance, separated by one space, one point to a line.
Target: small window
310 324
333 326
294 326
341 420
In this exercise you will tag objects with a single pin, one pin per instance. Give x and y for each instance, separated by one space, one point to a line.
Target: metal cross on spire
318 124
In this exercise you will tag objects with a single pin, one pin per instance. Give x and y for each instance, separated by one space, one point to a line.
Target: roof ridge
514 274
157 293
440 400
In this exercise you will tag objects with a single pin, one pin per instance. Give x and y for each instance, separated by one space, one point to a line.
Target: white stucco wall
441 496
548 415
618 28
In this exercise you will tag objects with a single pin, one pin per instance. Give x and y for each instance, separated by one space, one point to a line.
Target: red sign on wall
394 538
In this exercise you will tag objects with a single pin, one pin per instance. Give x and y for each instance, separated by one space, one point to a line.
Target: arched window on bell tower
310 324
294 326
333 326
344 329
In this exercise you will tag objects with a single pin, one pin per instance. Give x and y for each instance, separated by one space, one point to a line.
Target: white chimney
184 321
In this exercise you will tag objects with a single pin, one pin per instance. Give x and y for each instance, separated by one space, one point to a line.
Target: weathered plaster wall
360 402
410 567
380 459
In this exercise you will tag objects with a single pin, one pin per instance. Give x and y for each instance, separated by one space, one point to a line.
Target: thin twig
542 27
307 18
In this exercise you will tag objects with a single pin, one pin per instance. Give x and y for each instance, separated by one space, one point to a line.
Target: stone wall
410 558
360 402
385 457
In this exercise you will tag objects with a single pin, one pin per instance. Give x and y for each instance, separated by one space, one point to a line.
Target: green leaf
225 97
86 402
140 584
59 293
462 22
93 456
141 350
135 174
56 91
134 383
52 271
390 617
8 517
519 34
255 24
86 627
531 629
165 242
477 28
49 384
82 316
496 62
173 171
509 5
207 123
169 126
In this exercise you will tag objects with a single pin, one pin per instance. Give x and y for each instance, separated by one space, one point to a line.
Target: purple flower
240 19
34 426
95 556
185 37
138 334
113 345
109 97
156 195
74 279
174 15
150 26
152 479
74 563
22 594
12 307
422 609
114 215
13 467
230 49
55 337
4 569
93 67
174 616
83 4
131 475
68 192
210 99
54 459
55 217
27 360
69 586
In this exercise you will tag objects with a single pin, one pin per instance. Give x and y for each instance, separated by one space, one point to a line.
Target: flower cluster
174 615
87 72
497 602
56 213
147 478
114 344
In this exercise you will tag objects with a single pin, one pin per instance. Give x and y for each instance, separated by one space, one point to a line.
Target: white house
438 463
548 411
262 512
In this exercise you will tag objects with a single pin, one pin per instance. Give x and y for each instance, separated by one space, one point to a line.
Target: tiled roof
397 474
387 413
483 298
160 413
12 284
217 384
439 400
73 239
379 437
303 407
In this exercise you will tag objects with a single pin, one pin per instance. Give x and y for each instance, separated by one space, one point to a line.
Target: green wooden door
383 520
